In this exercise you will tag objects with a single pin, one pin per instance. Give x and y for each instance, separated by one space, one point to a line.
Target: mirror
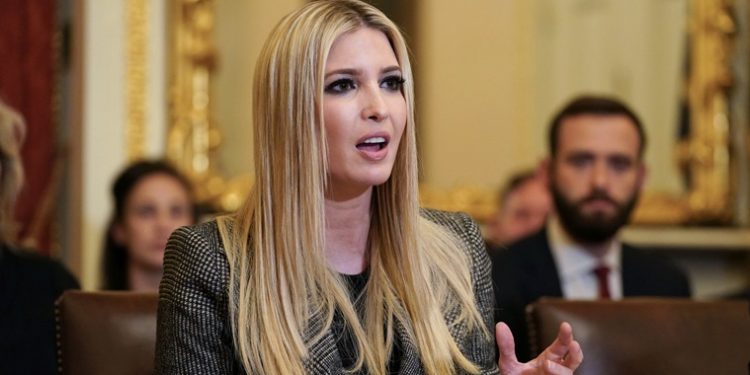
486 88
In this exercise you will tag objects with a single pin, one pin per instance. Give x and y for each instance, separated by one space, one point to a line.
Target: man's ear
642 174
543 171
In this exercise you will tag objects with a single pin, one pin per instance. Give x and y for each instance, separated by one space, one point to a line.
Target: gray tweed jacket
194 334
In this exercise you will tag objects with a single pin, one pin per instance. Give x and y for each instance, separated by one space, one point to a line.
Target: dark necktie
602 277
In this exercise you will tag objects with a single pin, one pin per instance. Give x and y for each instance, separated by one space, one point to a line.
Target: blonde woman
29 282
330 266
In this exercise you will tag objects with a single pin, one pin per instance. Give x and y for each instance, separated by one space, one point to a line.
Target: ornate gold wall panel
136 31
193 138
712 40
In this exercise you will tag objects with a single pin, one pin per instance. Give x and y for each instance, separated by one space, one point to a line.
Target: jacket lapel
323 356
410 362
542 276
631 279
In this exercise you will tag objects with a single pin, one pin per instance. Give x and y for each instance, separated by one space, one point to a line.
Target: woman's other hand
562 357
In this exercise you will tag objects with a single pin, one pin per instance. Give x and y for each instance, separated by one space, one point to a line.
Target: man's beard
593 228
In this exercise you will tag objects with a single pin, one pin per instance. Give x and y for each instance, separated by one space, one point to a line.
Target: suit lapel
323 358
410 362
542 276
631 282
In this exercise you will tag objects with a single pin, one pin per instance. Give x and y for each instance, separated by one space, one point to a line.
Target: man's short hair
594 105
514 182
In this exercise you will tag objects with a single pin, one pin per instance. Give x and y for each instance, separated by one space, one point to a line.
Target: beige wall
475 97
492 74
241 29
104 114
104 123
630 49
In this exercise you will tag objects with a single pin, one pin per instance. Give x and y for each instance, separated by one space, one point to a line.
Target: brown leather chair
106 333
649 336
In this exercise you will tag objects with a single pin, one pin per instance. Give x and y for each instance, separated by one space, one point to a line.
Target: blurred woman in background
151 200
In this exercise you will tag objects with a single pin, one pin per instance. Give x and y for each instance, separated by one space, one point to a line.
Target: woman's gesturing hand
562 357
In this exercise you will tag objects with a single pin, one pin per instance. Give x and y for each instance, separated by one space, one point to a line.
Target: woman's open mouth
373 144
374 148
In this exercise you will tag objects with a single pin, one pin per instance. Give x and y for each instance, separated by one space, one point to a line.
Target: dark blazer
193 330
29 286
526 271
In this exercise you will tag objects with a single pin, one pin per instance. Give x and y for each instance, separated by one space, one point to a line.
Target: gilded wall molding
712 33
136 32
193 138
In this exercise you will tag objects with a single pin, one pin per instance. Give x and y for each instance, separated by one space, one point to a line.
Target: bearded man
595 173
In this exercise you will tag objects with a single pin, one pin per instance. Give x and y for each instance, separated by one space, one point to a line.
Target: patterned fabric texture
194 330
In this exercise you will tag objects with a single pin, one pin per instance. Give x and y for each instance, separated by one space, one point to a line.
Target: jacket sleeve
193 329
482 350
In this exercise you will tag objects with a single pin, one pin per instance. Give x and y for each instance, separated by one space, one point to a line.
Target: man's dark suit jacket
526 271
29 286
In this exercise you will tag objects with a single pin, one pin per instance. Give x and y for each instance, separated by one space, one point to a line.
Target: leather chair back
649 336
106 333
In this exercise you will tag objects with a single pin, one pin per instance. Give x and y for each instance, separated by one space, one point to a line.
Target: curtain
27 83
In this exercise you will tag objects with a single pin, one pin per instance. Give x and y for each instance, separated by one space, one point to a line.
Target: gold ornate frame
135 83
193 139
712 33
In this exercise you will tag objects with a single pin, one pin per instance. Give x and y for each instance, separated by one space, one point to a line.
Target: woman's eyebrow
355 72
392 68
344 71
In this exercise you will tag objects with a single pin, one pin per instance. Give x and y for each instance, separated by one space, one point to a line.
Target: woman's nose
374 107
164 222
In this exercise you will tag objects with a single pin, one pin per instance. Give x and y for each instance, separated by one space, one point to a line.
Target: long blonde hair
12 131
282 294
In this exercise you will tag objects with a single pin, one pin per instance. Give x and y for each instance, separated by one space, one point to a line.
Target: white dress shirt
575 265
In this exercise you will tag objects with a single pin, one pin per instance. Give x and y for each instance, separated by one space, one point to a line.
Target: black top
344 335
29 286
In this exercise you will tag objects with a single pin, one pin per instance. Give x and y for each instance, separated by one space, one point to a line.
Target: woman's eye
340 86
178 212
145 211
392 83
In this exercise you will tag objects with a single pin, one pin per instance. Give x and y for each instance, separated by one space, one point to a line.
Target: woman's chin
377 178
